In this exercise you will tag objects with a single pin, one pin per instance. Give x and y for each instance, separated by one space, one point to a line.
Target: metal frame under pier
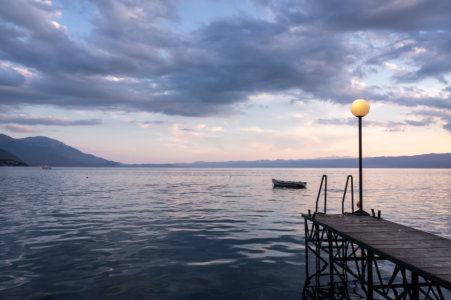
387 260
379 258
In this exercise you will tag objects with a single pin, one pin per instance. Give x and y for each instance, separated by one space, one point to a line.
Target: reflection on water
75 233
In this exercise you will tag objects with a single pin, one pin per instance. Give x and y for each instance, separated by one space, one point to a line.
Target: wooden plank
434 242
396 227
421 254
430 262
446 278
421 244
368 237
370 228
438 270
348 219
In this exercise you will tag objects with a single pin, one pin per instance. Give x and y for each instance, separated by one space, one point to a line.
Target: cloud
147 124
134 58
19 128
388 125
336 121
199 131
10 77
434 116
355 15
393 67
414 30
48 121
447 126
187 129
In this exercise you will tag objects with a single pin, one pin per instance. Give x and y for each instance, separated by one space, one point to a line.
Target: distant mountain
9 159
432 160
150 165
417 161
45 151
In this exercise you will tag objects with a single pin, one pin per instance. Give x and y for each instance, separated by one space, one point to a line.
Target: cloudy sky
163 81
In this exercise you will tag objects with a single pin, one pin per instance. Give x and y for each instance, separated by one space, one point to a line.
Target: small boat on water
46 167
289 184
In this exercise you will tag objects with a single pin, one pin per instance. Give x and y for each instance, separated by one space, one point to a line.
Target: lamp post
360 108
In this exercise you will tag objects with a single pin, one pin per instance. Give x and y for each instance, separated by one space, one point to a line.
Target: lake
149 233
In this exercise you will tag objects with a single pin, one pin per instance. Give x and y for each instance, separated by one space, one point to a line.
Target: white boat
46 167
289 184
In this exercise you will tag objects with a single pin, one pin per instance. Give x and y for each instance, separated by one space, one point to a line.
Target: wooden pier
381 259
389 260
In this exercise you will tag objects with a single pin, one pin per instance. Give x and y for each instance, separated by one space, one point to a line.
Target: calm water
119 233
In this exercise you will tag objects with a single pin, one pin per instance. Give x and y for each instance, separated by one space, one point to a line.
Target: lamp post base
360 213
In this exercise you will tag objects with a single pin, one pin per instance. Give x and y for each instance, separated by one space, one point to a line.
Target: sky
166 81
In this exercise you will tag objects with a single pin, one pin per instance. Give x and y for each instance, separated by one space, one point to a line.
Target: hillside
9 159
45 151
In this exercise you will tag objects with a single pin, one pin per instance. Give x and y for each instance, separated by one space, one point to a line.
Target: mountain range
41 150
433 160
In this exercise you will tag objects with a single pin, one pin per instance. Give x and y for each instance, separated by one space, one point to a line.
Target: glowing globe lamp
360 108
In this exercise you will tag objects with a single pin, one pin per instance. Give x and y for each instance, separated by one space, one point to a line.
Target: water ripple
83 233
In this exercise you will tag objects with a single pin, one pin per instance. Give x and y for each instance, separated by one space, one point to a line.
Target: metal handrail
344 194
323 179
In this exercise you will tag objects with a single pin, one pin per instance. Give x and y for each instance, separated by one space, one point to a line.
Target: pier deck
422 252
357 245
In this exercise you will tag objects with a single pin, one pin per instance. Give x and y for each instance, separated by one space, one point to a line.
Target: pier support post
415 286
306 247
331 264
317 256
369 265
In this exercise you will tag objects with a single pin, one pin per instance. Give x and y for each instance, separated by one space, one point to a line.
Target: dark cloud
134 59
355 15
435 102
420 28
10 77
427 51
48 121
